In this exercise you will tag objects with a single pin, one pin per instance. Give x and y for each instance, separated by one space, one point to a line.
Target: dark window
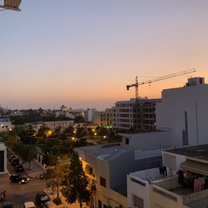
102 181
1 161
138 202
127 141
99 204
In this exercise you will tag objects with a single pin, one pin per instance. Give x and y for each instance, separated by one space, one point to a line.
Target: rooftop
194 152
104 152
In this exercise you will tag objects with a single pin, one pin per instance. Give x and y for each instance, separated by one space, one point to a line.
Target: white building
162 188
3 159
58 124
107 167
184 110
148 140
88 116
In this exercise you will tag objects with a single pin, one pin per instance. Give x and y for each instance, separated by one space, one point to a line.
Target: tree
76 182
80 132
26 134
50 159
28 154
11 142
42 132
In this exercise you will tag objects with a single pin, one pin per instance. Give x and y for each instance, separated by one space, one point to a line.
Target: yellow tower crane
136 84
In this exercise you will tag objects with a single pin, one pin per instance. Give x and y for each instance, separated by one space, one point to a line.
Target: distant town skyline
82 54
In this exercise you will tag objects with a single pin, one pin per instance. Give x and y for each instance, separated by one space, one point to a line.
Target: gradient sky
84 53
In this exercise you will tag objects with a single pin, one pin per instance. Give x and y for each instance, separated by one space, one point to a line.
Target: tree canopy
76 182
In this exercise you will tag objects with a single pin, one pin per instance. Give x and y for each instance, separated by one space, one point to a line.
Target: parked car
19 168
29 204
41 198
18 178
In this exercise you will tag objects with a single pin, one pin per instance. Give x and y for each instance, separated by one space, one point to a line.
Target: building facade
105 169
135 114
106 118
3 159
183 110
181 182
58 124
148 140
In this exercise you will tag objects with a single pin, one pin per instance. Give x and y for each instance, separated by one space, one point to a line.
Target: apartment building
183 110
135 114
181 182
106 118
58 124
107 166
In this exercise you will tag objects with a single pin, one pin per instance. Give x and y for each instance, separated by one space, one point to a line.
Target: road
20 193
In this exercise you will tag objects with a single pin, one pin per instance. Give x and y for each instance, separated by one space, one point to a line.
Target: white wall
149 140
138 190
90 113
172 161
3 148
170 113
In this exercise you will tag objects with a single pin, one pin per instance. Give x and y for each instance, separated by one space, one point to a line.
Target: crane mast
136 84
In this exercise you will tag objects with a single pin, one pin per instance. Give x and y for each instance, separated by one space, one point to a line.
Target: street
20 193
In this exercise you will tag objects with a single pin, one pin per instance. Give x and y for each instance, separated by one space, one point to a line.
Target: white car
29 204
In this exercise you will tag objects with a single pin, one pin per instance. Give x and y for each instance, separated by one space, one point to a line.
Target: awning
195 167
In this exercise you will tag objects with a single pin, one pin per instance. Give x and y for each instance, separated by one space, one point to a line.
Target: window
99 204
89 170
127 141
138 202
102 181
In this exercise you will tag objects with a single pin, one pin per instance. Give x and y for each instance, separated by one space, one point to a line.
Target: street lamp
11 4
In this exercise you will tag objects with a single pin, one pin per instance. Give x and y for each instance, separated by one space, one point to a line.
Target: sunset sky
84 53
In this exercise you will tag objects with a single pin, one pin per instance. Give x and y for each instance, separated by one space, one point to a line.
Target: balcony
171 192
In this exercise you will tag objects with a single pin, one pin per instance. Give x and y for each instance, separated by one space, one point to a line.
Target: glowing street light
11 4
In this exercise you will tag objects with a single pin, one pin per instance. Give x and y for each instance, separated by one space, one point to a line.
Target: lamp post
11 5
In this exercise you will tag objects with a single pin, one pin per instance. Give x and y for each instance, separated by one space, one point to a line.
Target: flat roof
105 152
197 152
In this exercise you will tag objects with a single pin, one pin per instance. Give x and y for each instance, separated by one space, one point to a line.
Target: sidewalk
35 169
64 203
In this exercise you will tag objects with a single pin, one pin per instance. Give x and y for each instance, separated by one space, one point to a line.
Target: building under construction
135 115
138 114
